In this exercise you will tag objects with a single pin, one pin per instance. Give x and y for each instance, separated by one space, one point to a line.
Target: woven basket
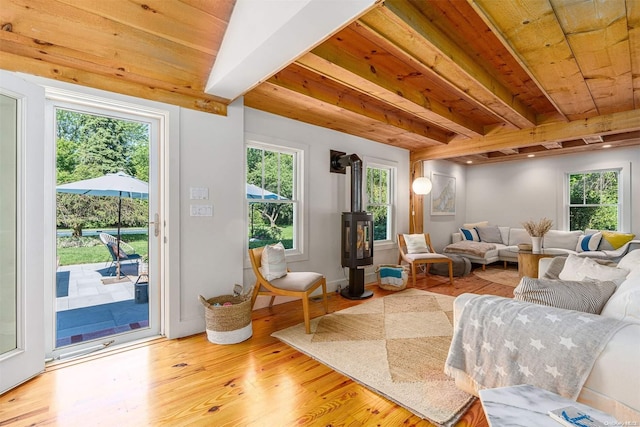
387 283
228 324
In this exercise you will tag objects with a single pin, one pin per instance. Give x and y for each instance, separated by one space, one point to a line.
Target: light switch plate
201 210
199 193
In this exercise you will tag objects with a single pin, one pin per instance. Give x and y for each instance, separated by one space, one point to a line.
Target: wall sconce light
421 185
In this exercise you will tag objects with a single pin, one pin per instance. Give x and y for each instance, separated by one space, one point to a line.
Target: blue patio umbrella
255 192
117 184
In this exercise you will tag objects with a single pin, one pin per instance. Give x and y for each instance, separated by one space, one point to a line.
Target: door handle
156 225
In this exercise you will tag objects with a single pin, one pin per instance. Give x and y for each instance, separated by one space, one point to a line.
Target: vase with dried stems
537 230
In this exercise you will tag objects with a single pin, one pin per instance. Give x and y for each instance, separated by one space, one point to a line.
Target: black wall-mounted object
357 228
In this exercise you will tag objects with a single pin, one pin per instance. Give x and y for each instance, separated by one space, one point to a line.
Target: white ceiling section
264 36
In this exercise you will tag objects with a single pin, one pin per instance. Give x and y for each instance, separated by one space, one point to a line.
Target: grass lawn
93 251
286 239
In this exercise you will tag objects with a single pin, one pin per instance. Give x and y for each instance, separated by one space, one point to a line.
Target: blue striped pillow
470 234
589 242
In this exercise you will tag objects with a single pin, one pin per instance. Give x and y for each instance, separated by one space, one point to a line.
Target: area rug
395 346
508 277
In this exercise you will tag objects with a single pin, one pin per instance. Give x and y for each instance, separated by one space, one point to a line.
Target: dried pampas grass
538 229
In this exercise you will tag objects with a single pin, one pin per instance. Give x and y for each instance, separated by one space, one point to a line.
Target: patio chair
127 252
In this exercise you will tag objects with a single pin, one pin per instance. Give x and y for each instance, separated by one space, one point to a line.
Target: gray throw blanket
468 247
500 342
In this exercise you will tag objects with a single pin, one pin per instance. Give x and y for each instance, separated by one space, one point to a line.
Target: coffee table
528 405
528 260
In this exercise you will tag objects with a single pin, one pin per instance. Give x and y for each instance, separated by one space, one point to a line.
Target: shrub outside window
594 200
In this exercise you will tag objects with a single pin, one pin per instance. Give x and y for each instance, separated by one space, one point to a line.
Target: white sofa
565 241
613 384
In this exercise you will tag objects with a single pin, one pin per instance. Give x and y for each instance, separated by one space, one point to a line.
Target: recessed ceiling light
469 162
606 146
531 155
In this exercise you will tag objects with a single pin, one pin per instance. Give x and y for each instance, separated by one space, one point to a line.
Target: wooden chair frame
264 287
402 247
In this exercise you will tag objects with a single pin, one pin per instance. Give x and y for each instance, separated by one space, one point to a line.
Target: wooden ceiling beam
335 63
202 102
626 121
279 100
409 31
299 79
535 37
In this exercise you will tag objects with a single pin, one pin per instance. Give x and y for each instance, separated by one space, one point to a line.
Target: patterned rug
508 277
395 346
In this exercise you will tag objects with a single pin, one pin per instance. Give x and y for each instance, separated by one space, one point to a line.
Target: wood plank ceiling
470 81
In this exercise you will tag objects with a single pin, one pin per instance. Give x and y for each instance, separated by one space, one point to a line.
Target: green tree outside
593 199
89 146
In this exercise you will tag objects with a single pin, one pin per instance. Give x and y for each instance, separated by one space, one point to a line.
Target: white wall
440 227
512 192
328 193
210 248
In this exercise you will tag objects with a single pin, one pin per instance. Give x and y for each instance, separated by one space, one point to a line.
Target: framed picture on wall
443 194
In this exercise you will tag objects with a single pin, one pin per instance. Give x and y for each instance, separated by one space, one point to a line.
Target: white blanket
501 342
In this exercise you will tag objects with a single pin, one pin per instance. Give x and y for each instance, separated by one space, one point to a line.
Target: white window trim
624 183
301 232
392 166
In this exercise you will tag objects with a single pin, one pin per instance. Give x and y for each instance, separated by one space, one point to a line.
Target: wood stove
357 229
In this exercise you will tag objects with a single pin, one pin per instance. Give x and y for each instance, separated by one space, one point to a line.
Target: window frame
624 196
392 168
300 231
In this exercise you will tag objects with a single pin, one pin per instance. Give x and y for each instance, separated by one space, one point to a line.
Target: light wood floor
190 381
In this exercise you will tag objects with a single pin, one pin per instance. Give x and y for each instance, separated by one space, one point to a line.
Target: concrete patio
86 287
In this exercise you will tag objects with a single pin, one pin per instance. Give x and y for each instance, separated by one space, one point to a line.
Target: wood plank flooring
191 382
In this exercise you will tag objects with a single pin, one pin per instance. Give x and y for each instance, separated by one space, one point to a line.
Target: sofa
496 243
612 381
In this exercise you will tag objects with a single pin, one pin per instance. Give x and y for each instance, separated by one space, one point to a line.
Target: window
594 200
379 190
273 196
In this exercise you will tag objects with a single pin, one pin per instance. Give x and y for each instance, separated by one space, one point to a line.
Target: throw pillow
612 240
489 234
579 268
625 302
469 234
586 296
589 242
274 264
416 243
630 261
475 224
558 239
555 268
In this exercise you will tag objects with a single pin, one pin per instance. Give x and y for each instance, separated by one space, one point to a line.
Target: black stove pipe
355 163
